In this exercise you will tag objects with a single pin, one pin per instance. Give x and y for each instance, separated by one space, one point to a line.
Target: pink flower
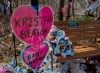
71 4
64 9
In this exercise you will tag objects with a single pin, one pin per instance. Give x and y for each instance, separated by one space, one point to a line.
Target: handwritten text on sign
31 28
34 57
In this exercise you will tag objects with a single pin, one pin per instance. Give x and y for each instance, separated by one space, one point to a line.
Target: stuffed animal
59 34
76 69
57 68
54 43
55 47
65 47
72 66
65 68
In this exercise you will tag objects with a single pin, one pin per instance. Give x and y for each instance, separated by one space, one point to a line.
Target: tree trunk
68 10
73 8
34 2
60 10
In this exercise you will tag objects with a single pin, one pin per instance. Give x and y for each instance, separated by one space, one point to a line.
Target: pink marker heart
34 57
30 27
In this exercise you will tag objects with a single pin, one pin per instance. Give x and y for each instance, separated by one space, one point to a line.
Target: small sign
33 57
73 24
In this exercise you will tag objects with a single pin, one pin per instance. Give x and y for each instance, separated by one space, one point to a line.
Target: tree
60 10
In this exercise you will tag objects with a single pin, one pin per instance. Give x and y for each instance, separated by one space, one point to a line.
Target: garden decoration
31 28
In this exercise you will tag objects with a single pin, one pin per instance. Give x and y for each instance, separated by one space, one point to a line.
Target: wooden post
60 10
34 2
5 7
14 45
51 60
35 5
17 2
73 8
69 8
14 40
68 11
10 6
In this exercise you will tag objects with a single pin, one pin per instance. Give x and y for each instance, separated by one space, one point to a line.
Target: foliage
84 18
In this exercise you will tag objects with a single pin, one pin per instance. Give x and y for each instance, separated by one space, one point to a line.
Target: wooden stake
14 45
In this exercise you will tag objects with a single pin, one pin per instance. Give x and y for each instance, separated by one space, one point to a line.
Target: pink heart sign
34 57
30 27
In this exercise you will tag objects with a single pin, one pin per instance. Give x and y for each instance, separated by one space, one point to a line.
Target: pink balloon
30 27
34 57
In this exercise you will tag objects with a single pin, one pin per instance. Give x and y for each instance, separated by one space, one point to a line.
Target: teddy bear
66 47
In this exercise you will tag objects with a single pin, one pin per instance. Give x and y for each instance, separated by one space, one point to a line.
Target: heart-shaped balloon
31 27
33 57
